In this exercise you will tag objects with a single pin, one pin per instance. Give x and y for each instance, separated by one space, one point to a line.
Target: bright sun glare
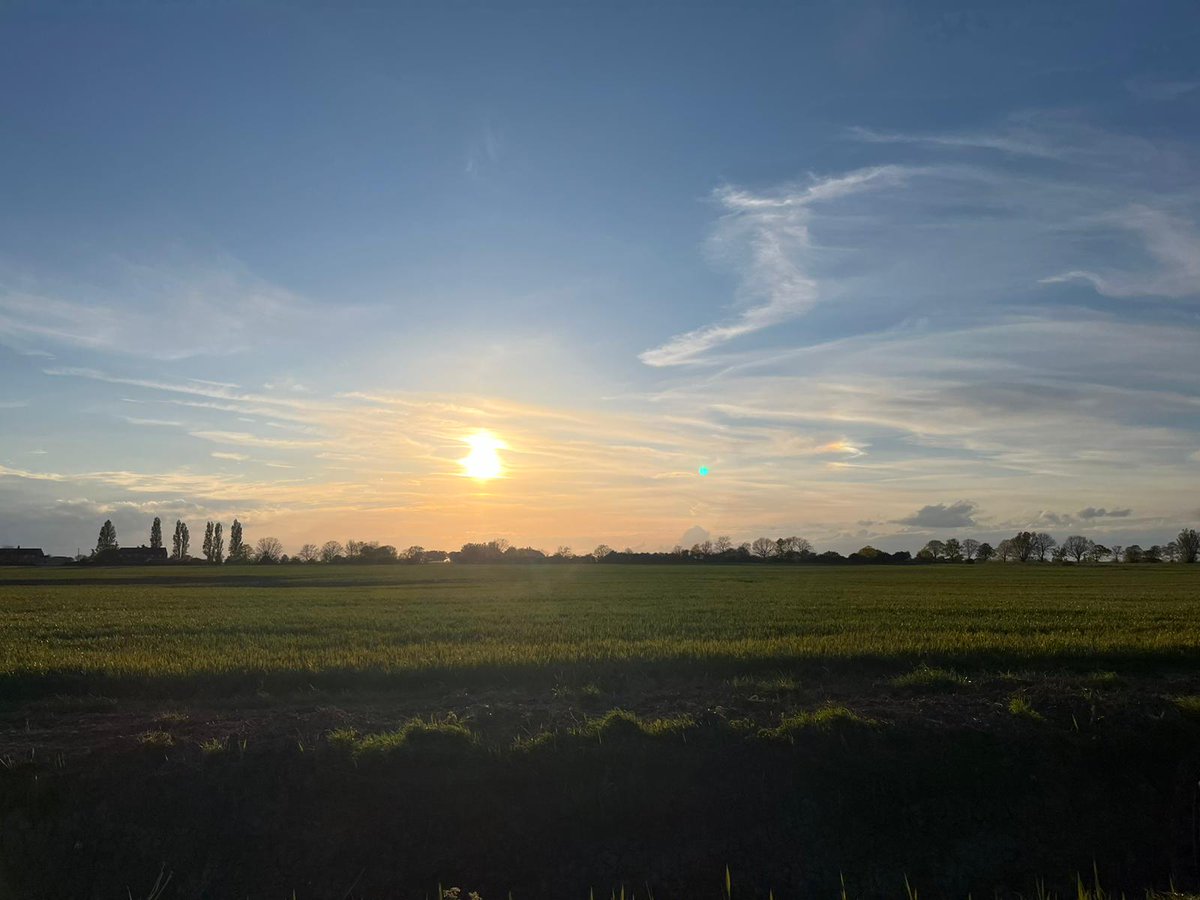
483 462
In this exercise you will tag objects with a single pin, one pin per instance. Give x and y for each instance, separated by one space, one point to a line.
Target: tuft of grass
213 747
827 718
926 679
443 736
1189 705
1019 706
618 724
343 738
171 717
156 740
532 742
780 683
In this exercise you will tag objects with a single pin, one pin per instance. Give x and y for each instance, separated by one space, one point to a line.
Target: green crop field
533 731
151 623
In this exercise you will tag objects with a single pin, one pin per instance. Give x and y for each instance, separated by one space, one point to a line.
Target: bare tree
970 547
601 551
793 545
722 544
1098 552
330 551
764 548
268 550
953 550
1077 547
1189 545
935 548
1005 550
308 553
1041 544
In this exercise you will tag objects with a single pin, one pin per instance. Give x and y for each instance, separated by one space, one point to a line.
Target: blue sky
891 271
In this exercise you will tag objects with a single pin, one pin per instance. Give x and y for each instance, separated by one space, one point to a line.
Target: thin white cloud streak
773 229
895 236
168 311
1172 242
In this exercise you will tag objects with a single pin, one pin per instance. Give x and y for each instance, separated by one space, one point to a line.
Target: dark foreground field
342 732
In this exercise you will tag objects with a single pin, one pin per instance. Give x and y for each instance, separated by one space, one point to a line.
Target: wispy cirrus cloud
767 236
1173 244
168 310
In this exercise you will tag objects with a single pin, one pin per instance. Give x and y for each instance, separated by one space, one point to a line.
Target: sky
887 271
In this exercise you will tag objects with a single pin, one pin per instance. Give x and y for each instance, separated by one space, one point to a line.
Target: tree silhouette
268 550
308 553
330 551
208 539
1077 547
1188 542
107 541
218 548
1041 544
764 548
179 544
237 547
156 533
984 552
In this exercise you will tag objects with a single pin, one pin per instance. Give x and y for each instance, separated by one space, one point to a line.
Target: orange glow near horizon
483 462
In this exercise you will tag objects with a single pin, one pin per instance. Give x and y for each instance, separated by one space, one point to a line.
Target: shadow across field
666 804
23 686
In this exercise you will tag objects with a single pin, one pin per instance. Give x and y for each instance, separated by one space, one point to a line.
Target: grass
1020 708
929 679
441 736
93 628
619 724
1189 706
156 740
827 718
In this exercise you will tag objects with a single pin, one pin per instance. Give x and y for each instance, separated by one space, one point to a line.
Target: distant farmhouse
22 556
29 556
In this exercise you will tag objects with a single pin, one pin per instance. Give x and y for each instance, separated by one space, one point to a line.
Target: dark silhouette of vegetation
156 533
238 552
107 541
1023 547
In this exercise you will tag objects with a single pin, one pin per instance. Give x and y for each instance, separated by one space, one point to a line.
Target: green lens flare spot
703 471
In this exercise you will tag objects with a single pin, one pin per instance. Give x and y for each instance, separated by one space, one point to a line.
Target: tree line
1023 547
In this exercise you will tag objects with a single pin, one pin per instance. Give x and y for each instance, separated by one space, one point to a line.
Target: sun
483 462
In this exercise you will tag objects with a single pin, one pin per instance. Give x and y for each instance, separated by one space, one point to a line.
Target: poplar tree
156 533
237 549
218 545
179 544
108 537
208 542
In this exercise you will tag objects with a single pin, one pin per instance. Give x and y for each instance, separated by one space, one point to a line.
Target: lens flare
703 471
